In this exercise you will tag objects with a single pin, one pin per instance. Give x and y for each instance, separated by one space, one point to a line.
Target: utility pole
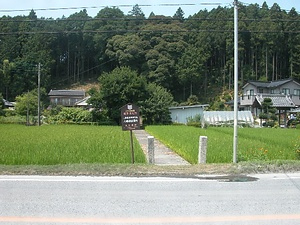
39 94
236 66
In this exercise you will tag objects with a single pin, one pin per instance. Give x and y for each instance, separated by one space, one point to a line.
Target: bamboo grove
188 56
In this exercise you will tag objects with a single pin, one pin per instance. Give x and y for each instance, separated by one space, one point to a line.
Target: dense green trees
192 56
122 86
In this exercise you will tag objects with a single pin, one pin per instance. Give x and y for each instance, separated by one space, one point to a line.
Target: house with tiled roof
285 95
66 97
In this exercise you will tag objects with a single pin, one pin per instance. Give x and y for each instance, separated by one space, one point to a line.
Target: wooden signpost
130 116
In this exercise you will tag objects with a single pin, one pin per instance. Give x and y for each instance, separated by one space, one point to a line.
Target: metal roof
83 102
188 106
7 103
66 93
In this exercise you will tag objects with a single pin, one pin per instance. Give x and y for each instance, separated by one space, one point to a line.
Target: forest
186 56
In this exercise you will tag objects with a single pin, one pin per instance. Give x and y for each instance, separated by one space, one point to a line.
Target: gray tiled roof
66 93
278 83
279 101
269 84
259 83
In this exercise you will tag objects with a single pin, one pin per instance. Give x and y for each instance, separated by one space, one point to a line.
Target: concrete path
162 154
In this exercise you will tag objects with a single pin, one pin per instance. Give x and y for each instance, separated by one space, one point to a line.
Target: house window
297 92
272 91
251 92
286 91
260 90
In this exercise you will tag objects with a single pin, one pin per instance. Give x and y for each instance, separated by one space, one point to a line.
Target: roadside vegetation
265 144
66 144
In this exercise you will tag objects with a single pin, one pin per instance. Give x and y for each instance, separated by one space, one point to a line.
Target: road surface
271 199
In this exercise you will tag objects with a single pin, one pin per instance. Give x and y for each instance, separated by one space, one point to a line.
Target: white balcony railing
296 99
247 100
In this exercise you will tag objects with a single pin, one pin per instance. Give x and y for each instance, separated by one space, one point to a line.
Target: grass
264 144
66 144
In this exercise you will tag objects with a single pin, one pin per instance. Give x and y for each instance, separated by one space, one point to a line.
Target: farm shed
180 114
219 118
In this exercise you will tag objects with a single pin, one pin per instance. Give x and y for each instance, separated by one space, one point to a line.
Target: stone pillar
202 150
151 149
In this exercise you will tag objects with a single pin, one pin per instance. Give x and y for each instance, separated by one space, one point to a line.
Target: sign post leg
132 150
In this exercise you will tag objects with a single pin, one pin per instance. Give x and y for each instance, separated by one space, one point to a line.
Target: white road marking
94 179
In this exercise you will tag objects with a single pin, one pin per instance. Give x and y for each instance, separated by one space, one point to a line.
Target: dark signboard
130 116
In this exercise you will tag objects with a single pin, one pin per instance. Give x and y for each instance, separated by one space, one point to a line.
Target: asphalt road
271 199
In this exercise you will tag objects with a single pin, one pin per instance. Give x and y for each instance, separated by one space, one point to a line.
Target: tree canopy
185 56
123 86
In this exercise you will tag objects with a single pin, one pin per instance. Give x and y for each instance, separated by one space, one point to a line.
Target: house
285 96
66 97
7 104
181 114
83 103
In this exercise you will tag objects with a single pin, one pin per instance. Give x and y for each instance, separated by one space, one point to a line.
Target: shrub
194 121
9 112
263 116
69 115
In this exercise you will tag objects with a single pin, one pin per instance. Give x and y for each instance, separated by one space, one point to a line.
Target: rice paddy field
76 144
254 144
66 144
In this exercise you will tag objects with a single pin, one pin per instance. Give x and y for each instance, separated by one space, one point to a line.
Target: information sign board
130 116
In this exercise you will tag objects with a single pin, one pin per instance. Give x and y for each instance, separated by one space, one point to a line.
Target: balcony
296 99
247 100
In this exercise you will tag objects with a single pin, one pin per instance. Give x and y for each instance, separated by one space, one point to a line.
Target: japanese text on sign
130 116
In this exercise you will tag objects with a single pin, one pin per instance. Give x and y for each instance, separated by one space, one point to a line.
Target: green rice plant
66 144
297 147
270 144
253 144
184 140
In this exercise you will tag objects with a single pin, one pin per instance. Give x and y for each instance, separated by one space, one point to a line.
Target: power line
104 6
167 18
146 31
82 72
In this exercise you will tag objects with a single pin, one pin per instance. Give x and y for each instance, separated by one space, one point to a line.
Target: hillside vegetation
187 56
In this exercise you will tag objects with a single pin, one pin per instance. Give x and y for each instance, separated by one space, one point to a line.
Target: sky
58 8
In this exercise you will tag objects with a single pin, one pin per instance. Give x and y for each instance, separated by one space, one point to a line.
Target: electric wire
145 31
104 6
139 19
